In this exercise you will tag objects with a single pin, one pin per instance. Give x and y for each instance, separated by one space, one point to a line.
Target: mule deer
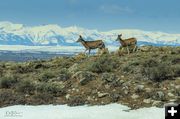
89 45
127 42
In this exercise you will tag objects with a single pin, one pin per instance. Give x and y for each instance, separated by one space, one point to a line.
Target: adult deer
127 42
89 45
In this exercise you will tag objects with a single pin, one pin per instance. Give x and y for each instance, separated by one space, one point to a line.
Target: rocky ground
149 77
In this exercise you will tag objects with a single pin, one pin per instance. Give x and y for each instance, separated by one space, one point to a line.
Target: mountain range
54 35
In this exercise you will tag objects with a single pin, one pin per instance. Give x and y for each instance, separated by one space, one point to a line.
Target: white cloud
115 9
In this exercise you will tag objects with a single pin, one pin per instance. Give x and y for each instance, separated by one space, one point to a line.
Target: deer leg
127 50
85 51
134 48
89 51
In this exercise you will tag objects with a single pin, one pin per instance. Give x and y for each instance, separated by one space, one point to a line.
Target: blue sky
151 15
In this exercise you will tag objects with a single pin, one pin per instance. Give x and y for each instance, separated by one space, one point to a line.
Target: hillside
54 35
150 77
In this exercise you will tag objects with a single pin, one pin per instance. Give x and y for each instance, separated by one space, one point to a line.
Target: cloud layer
115 9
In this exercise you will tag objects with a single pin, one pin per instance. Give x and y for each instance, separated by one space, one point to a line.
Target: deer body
89 45
127 42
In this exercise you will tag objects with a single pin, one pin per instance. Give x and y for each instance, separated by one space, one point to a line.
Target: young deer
89 45
127 42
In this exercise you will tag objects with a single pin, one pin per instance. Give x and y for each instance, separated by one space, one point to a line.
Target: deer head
119 37
80 39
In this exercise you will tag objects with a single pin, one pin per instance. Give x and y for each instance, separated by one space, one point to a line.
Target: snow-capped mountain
52 35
